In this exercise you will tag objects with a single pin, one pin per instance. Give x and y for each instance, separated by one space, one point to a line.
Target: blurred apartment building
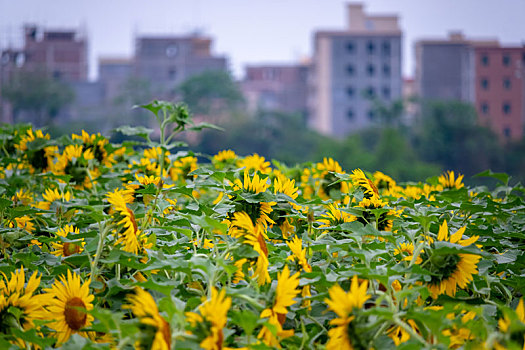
352 66
61 54
160 62
481 72
167 61
281 88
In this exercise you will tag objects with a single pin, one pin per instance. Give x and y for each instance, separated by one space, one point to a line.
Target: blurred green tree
210 92
35 92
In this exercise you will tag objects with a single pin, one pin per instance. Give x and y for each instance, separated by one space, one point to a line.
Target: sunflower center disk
70 249
75 318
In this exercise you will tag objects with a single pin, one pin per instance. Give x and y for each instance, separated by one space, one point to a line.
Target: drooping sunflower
67 302
129 235
452 270
210 320
259 212
255 163
286 291
345 305
66 249
155 331
360 181
243 228
449 180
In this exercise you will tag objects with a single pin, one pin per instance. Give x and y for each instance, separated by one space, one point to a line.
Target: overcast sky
256 31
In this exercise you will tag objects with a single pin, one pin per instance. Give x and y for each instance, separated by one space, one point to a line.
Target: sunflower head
449 180
68 302
155 332
451 270
255 163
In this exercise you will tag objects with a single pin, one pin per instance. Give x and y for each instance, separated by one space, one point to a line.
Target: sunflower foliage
138 245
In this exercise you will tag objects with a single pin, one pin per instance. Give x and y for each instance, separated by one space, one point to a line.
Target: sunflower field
142 245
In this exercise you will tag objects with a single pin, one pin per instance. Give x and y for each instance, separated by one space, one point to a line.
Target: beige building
350 68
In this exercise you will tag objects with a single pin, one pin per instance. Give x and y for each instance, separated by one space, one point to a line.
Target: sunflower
221 159
255 162
345 306
130 235
246 232
211 319
74 161
95 143
335 216
155 331
452 270
38 158
326 179
15 293
283 185
150 161
286 291
448 180
182 167
360 181
384 223
259 212
67 304
23 197
66 249
53 195
408 249
299 255
504 325
383 182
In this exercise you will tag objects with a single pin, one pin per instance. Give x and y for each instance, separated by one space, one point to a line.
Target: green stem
103 234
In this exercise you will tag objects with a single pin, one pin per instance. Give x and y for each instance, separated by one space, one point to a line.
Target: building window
370 48
350 91
386 92
506 60
386 70
370 92
350 69
484 83
506 83
350 114
350 47
506 108
172 73
507 132
386 49
485 60
485 108
370 70
371 114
